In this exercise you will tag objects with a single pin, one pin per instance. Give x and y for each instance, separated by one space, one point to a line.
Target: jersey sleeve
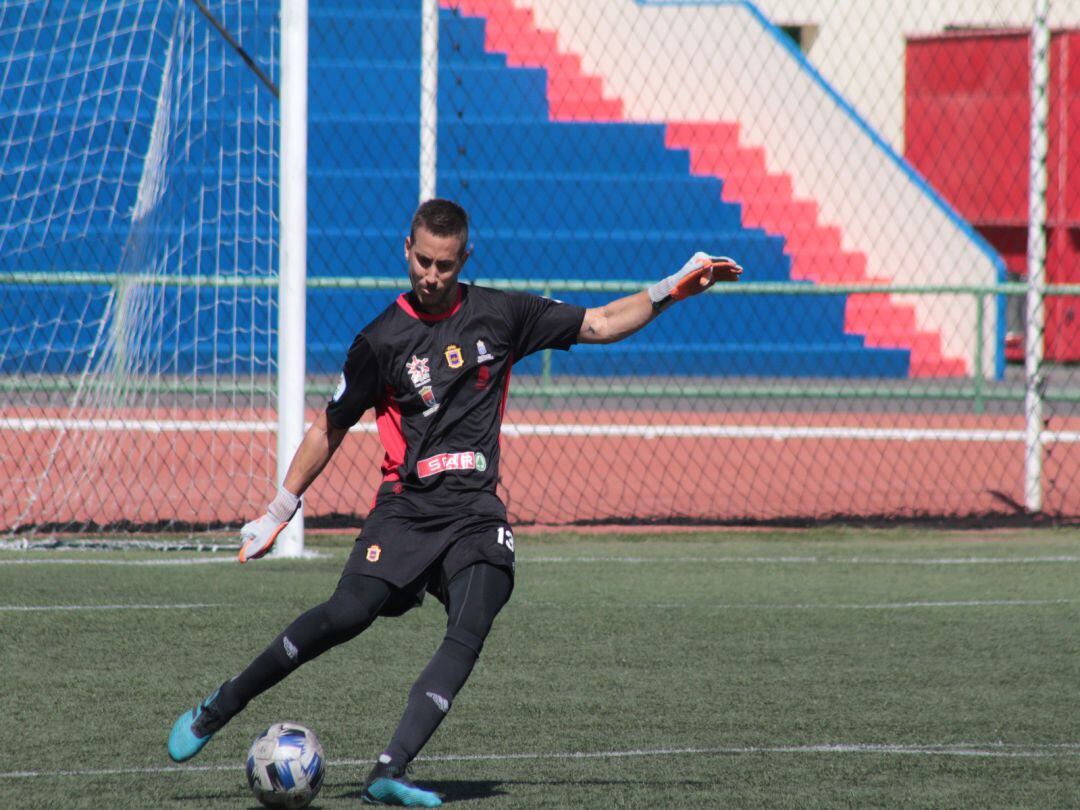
543 323
358 386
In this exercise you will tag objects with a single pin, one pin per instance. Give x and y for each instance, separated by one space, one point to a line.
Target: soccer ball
285 766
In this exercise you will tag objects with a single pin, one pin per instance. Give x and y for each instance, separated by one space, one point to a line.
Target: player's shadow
463 790
455 790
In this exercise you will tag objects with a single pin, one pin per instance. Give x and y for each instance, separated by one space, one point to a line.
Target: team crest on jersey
373 553
482 354
428 395
454 357
419 370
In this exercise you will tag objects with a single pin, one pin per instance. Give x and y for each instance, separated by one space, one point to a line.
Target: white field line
136 563
813 560
35 608
657 606
558 560
824 606
774 432
993 749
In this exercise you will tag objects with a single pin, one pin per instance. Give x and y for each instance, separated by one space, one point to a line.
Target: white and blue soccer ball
285 766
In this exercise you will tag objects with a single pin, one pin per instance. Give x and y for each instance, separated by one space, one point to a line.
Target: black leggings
474 596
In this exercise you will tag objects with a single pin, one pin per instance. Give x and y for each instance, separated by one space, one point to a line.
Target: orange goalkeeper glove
258 536
697 275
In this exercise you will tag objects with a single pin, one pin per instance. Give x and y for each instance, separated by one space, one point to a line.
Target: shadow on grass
456 790
462 790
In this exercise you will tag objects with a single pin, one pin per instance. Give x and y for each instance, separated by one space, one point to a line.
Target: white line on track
963 749
784 432
774 432
34 608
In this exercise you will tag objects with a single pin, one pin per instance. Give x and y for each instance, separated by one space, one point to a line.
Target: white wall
859 47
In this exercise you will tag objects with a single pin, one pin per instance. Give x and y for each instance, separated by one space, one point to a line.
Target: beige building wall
858 45
718 62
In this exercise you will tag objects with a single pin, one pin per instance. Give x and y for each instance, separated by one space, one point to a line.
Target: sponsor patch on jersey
419 370
482 354
451 462
373 553
454 357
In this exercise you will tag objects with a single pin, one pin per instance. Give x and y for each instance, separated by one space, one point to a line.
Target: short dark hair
442 218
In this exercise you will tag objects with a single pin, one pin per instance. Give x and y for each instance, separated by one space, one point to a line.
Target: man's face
435 263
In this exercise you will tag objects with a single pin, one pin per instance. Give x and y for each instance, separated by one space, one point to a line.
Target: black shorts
423 555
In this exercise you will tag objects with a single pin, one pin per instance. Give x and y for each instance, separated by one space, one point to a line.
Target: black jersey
439 385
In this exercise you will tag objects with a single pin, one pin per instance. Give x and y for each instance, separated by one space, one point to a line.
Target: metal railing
977 389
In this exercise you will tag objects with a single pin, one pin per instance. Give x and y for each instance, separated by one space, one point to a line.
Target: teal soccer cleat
193 729
387 785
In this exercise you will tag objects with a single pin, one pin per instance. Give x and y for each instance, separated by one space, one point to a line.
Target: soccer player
435 366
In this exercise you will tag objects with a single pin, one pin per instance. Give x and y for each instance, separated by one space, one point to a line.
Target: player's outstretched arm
624 316
315 450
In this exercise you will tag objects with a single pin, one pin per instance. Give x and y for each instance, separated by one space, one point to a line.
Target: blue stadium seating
589 201
549 200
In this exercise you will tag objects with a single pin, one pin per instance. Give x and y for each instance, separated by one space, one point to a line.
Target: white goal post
292 282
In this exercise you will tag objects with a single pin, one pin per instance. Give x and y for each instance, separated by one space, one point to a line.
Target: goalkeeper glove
697 275
258 536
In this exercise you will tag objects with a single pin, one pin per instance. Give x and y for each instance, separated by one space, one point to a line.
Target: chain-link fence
867 164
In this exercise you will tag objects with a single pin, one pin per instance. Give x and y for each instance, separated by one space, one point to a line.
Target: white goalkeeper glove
258 536
697 275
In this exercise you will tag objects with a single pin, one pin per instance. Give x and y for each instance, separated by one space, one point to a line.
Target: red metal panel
967 121
1063 158
967 131
1063 197
1062 342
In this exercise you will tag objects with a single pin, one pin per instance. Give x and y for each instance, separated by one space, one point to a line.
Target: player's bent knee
473 643
346 613
355 604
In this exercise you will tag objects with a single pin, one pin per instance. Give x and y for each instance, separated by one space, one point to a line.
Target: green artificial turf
832 668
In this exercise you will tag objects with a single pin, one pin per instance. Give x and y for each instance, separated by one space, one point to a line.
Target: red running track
558 467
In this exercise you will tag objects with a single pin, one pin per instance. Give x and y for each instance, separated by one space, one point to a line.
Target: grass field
833 668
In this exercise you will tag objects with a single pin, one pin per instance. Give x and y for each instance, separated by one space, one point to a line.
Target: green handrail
534 285
547 389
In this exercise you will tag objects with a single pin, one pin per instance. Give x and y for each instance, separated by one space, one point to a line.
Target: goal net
138 261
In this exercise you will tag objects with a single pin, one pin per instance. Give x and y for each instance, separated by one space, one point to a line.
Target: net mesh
138 202
868 168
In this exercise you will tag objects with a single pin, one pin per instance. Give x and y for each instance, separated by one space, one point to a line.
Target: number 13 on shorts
505 537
